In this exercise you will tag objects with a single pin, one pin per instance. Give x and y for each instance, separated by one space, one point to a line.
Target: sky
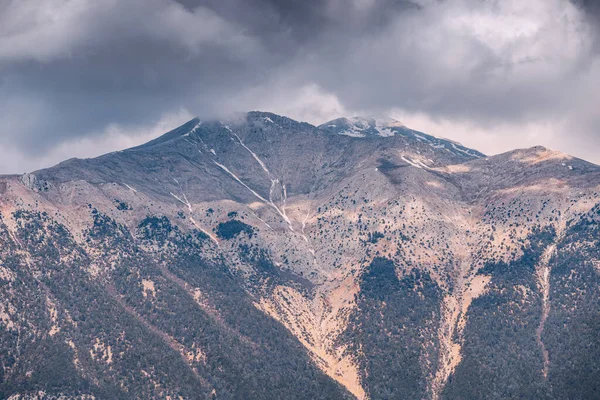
79 78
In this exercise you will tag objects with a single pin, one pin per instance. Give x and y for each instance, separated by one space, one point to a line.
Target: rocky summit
265 258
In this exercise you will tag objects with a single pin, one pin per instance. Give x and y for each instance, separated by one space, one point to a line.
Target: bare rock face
268 258
28 180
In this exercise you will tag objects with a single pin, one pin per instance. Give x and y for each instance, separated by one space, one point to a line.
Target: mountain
265 258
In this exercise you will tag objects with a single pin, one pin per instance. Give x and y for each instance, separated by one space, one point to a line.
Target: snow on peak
195 128
362 127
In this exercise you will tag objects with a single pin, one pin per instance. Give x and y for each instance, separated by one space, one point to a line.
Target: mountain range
266 258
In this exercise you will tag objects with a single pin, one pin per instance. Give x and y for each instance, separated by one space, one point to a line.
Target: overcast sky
82 77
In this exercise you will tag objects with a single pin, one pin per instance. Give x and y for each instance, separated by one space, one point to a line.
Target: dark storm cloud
71 69
123 62
591 7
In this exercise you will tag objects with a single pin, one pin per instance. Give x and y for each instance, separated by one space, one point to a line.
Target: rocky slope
267 258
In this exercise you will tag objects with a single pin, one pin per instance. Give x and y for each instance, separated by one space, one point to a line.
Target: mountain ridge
188 127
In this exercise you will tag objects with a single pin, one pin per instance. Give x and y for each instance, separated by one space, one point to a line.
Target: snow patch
423 138
353 133
416 163
385 132
130 188
194 129
234 176
207 233
269 202
455 147
262 164
411 162
183 201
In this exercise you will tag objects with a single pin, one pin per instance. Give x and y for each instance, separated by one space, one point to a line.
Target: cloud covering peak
492 74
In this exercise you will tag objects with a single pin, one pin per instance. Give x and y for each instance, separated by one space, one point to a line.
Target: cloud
302 102
52 29
483 59
114 137
481 71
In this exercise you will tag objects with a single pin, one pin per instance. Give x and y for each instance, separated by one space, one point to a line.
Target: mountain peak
184 130
362 126
369 127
